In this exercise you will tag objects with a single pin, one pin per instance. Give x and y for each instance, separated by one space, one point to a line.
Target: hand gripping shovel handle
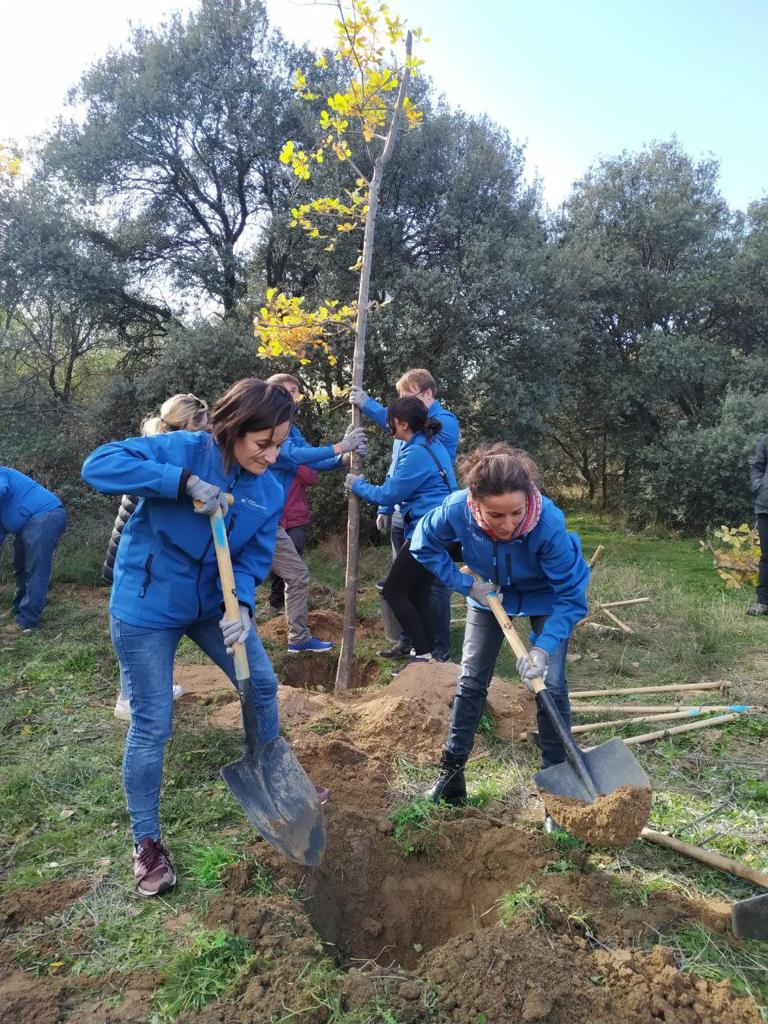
539 687
232 611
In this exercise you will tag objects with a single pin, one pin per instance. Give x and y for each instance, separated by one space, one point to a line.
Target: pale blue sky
575 80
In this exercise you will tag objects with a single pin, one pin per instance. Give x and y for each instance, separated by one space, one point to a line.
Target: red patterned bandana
529 521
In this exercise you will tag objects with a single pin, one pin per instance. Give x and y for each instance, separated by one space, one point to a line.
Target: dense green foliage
622 339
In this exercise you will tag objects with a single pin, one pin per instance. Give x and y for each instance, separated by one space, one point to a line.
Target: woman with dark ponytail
422 478
516 541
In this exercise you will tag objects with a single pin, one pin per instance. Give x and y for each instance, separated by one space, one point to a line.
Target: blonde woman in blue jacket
420 481
516 540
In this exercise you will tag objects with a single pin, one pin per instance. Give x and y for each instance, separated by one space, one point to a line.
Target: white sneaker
123 707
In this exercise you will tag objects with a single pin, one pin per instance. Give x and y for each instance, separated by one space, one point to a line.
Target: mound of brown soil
25 999
324 624
205 683
521 975
612 820
26 905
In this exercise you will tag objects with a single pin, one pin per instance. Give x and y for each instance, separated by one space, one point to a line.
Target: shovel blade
750 918
610 766
279 801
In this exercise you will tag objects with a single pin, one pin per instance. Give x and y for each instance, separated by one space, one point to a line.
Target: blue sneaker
311 646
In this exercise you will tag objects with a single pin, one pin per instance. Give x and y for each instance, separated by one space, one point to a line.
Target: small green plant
211 864
558 867
415 830
487 725
207 970
523 903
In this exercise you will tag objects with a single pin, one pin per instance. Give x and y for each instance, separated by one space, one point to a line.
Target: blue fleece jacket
417 485
542 573
165 573
297 452
449 435
21 498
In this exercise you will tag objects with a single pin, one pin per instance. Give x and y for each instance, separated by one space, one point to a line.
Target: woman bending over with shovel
420 480
166 581
510 535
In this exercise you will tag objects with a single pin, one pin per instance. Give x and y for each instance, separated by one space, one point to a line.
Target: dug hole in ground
473 916
431 929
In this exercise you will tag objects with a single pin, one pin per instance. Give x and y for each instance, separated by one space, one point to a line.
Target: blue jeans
482 642
439 601
33 548
146 666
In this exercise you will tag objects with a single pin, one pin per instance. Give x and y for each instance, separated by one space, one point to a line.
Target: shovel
584 775
268 782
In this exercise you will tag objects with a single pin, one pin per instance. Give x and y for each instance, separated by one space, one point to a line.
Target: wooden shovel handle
228 588
715 860
513 639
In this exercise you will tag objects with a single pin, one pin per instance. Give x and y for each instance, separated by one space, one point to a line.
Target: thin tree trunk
347 652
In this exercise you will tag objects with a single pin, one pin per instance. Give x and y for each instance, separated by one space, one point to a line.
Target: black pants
762 568
298 535
406 590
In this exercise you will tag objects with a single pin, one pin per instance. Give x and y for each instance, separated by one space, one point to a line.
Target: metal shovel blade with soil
602 795
267 781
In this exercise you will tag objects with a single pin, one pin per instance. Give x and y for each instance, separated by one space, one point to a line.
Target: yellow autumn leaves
365 111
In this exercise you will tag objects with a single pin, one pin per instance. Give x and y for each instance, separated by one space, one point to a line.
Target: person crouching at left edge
166 582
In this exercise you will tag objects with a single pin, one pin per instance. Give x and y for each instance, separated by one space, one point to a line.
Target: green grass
208 969
417 828
744 964
523 903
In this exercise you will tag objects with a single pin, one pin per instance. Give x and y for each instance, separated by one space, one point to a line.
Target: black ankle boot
451 785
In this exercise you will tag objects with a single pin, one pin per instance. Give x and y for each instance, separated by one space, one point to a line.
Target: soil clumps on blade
615 819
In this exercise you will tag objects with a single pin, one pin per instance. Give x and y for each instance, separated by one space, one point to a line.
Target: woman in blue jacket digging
420 481
166 582
516 540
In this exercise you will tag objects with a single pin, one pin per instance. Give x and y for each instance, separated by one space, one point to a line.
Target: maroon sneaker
323 795
152 868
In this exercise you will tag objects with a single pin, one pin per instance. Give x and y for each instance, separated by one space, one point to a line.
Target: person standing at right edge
516 541
757 474
416 383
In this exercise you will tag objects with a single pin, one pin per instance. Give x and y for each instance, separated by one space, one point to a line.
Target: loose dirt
24 906
613 820
421 930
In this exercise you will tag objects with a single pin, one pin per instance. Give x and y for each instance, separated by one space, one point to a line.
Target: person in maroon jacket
295 521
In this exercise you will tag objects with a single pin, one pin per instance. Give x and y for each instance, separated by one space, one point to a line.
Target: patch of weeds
212 863
259 882
582 921
207 970
558 867
637 892
415 830
743 963
487 726
332 723
318 996
565 841
523 903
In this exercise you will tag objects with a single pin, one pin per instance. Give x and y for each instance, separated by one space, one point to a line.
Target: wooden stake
598 626
641 709
715 860
665 717
614 618
648 736
597 552
621 604
720 684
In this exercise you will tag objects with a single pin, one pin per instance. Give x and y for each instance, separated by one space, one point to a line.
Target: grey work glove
353 440
210 496
357 396
383 523
480 591
533 665
350 479
236 631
